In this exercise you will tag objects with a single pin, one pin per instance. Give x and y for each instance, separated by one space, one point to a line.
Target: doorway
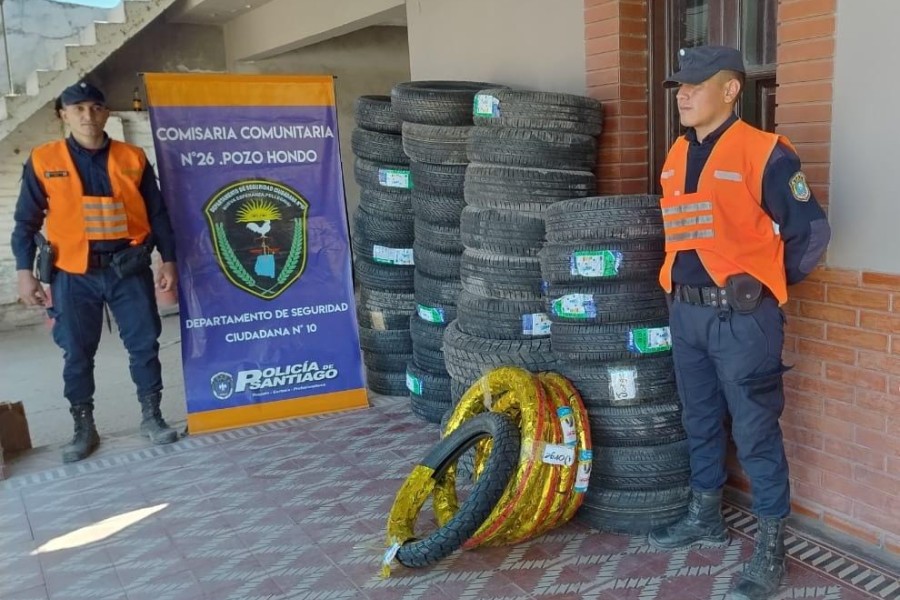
748 25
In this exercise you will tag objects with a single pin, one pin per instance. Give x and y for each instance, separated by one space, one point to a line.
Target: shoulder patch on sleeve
799 187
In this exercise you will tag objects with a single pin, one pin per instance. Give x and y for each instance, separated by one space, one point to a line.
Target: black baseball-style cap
696 65
81 92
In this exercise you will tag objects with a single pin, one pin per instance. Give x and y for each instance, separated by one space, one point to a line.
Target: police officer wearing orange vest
103 213
741 225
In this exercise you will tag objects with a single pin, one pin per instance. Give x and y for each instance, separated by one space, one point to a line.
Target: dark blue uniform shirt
803 226
92 169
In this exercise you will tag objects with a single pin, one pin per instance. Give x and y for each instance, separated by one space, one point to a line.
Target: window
749 25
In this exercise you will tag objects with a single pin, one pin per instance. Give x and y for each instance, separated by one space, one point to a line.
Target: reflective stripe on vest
688 221
104 218
724 221
74 219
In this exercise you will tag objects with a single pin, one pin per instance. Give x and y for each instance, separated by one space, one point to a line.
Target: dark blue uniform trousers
727 361
78 310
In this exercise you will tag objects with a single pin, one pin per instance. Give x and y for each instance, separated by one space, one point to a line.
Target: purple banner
256 199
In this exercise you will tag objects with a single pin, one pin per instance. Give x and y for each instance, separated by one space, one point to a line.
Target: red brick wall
842 424
842 419
616 47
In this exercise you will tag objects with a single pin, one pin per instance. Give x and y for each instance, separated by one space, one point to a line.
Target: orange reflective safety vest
74 219
724 220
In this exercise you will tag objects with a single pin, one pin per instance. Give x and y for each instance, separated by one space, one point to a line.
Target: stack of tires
528 150
437 119
611 336
382 241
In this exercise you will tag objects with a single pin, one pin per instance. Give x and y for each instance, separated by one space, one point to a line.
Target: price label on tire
595 263
650 340
486 106
431 314
392 256
394 178
536 324
413 384
622 384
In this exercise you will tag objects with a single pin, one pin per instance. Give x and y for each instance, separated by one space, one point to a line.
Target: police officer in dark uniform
103 214
741 225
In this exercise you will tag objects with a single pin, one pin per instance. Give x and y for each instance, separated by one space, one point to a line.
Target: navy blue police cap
81 92
696 65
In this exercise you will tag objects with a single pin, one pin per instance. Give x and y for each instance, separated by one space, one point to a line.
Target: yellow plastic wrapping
549 482
408 503
518 508
540 496
557 483
584 455
510 390
574 484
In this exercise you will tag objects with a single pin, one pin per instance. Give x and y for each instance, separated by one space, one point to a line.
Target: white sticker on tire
622 384
394 178
557 454
595 263
392 256
486 106
583 476
377 318
567 422
536 324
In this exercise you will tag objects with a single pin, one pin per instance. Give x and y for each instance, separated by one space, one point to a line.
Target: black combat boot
152 423
763 574
86 439
703 525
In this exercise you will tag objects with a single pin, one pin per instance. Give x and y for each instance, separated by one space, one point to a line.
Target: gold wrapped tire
554 467
584 449
487 490
513 391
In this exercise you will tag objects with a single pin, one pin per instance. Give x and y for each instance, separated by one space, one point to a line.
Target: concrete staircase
27 120
96 42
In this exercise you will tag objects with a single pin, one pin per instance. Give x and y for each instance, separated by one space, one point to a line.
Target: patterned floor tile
15 528
21 571
170 586
254 585
296 573
144 553
35 593
10 502
296 511
89 583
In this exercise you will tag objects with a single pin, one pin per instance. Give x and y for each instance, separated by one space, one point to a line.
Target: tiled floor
296 510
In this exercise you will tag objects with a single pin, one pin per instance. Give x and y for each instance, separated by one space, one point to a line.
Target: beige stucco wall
279 26
369 61
864 210
160 47
536 44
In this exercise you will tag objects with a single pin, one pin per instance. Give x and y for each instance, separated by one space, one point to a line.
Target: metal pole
9 78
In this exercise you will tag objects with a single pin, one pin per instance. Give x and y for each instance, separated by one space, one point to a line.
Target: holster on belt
43 264
744 293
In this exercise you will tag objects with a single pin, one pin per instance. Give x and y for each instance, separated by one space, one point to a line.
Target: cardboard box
14 435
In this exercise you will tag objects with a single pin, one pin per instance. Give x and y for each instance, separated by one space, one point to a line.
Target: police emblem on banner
258 230
222 385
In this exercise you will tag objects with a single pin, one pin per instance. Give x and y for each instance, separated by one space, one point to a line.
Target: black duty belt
100 260
700 295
